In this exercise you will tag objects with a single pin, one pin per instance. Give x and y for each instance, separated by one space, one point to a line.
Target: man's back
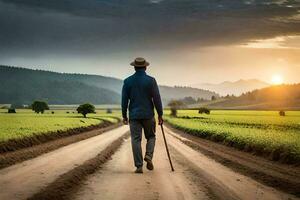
141 91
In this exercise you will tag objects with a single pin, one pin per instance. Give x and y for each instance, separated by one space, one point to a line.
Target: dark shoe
139 170
149 163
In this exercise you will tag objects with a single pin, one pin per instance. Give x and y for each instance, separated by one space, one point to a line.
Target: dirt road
196 176
117 180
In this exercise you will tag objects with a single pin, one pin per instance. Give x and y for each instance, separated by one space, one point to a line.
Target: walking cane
163 132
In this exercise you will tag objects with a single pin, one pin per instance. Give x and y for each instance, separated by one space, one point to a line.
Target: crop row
278 141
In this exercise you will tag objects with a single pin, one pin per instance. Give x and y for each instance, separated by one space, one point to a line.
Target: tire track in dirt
238 185
23 180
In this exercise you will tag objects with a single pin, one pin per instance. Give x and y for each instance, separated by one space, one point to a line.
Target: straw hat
139 62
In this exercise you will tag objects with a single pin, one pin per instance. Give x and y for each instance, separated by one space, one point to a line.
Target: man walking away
142 94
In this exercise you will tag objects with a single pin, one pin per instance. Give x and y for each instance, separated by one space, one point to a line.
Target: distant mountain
273 97
21 85
236 88
178 92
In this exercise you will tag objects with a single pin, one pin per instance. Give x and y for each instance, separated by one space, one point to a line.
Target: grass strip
11 158
40 138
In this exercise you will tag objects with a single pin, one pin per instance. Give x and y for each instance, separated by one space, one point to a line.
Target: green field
263 132
26 123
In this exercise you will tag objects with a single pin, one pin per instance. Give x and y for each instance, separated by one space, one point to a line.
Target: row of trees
190 100
175 105
41 106
36 106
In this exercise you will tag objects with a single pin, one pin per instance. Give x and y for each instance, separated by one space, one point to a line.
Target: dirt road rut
22 180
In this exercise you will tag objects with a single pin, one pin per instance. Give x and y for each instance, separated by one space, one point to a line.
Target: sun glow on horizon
277 79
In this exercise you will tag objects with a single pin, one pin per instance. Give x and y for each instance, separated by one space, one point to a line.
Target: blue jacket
142 94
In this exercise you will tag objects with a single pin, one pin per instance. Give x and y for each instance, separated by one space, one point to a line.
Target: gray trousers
136 127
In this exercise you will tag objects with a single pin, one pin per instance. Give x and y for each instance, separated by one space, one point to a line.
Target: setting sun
277 79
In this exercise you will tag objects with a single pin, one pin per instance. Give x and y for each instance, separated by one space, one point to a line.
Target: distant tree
213 98
204 110
251 96
39 106
174 105
109 111
200 100
282 113
228 96
188 100
11 110
84 109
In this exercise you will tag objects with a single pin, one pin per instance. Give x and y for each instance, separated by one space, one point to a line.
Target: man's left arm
157 102
124 104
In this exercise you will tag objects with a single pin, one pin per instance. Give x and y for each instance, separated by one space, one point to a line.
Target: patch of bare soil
192 172
281 176
49 142
66 184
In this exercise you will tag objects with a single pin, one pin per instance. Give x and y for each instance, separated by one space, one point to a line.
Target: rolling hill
235 88
22 86
286 97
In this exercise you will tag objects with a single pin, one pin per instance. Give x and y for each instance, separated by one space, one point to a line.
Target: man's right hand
160 120
125 121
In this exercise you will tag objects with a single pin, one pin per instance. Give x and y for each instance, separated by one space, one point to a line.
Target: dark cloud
76 27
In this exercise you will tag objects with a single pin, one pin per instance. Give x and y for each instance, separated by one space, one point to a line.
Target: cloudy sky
186 41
